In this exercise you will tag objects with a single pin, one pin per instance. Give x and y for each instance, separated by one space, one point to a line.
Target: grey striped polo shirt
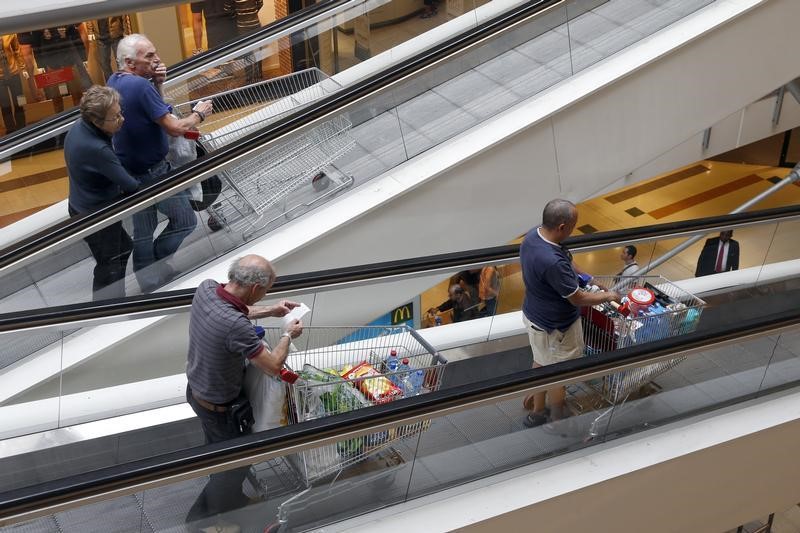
221 337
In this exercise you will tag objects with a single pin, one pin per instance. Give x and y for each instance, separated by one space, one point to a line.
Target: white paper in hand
296 314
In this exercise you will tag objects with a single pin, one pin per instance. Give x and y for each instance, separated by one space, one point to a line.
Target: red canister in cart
638 300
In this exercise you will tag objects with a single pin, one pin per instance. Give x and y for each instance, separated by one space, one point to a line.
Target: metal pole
793 176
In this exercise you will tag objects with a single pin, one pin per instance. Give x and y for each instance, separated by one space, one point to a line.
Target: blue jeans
146 250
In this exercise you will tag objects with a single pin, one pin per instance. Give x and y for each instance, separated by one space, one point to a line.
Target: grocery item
376 387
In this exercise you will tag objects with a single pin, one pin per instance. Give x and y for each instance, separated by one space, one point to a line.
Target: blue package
583 280
259 331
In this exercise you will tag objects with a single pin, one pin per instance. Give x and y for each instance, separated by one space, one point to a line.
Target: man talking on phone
141 145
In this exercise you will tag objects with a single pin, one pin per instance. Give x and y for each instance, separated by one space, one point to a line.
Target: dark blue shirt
549 280
141 143
96 176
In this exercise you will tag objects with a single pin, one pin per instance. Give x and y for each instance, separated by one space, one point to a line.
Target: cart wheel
213 223
320 182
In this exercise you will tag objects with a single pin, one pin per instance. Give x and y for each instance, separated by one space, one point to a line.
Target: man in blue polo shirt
552 297
142 145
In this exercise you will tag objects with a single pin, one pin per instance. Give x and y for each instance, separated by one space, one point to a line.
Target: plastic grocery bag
267 395
183 150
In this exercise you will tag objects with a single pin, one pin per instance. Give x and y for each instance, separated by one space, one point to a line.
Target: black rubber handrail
63 491
41 128
167 300
284 126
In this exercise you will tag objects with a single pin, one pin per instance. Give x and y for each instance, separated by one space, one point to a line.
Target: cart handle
425 344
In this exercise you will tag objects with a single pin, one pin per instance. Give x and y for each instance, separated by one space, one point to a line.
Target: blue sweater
96 176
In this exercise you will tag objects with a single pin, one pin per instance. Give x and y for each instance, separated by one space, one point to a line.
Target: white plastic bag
182 151
267 395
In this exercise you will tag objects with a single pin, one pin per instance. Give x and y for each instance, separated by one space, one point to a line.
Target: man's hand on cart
612 296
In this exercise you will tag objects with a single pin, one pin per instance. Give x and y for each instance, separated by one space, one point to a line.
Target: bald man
221 338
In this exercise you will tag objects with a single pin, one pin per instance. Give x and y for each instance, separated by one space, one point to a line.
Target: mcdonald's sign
402 314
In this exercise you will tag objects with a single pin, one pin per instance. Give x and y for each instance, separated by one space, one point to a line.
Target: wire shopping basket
272 182
607 327
346 368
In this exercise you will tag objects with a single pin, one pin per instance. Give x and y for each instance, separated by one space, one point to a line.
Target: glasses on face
115 118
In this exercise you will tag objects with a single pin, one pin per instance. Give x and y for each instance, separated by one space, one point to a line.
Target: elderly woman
97 178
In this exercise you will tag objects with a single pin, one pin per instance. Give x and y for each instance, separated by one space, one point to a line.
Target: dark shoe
534 419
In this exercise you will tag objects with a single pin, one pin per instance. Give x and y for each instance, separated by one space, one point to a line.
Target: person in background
459 303
247 21
469 281
109 32
221 338
57 48
628 257
12 64
719 254
220 24
430 9
488 290
552 298
97 178
142 146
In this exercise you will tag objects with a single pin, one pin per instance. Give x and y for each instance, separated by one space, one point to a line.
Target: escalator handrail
25 503
171 301
54 125
210 164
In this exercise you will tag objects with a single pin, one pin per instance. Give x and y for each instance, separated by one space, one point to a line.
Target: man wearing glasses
97 178
142 146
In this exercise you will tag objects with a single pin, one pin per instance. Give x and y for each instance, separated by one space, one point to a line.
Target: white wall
650 120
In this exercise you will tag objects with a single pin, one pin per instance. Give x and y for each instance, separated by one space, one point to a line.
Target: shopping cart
606 327
321 356
269 185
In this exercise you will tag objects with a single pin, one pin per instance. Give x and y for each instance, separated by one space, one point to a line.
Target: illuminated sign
402 314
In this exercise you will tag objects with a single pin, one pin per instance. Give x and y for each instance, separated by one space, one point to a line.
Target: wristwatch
199 114
286 334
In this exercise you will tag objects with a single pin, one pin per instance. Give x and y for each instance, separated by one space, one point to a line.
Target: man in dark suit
719 254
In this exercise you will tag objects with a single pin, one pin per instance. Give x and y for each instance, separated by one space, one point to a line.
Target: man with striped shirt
221 338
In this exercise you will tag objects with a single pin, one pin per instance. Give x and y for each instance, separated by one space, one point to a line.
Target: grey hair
248 275
558 212
96 102
126 48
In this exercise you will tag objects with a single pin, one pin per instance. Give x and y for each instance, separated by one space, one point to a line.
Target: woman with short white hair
96 179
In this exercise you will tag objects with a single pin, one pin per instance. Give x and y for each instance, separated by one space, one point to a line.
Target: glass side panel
292 176
324 485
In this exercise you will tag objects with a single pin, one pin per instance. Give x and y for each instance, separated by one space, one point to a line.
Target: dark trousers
223 492
110 247
13 114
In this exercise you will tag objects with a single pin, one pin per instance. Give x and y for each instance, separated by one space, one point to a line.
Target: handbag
241 414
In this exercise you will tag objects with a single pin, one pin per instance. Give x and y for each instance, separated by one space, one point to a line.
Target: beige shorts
550 348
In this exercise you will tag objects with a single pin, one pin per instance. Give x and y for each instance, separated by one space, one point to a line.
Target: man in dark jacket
719 254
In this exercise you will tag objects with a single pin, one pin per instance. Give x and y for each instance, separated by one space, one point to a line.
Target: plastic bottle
437 321
404 377
392 357
417 380
391 368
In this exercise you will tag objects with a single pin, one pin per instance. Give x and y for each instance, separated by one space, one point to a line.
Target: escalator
387 116
145 469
